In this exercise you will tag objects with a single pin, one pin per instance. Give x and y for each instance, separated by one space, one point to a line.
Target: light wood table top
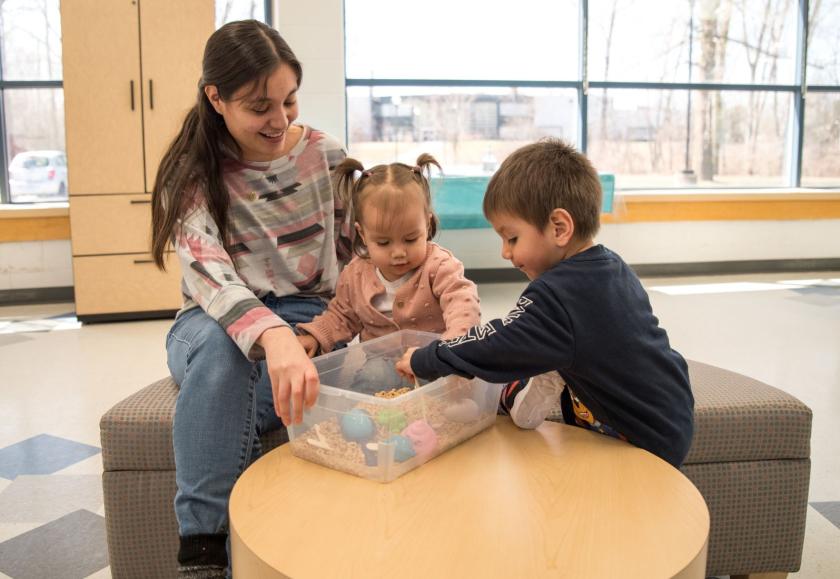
556 502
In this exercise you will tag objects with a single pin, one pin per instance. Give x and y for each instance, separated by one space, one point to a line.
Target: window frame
5 194
798 91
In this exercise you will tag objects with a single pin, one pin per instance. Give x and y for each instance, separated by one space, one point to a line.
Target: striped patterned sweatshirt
287 234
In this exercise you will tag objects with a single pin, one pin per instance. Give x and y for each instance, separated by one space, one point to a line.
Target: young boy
583 327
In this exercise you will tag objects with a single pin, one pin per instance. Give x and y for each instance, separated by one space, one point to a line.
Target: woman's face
259 123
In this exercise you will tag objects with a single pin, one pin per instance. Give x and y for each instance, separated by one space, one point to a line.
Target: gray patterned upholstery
139 482
757 511
737 418
749 459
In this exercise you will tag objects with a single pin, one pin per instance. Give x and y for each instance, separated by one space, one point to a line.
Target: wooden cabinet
131 70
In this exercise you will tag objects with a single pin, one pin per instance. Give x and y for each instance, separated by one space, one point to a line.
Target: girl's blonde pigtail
424 163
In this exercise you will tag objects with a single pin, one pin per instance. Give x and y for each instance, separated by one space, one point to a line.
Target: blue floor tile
42 454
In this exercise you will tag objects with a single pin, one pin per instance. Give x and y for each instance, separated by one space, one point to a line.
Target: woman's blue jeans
224 403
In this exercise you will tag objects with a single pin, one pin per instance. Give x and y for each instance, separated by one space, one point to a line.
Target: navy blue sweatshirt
590 319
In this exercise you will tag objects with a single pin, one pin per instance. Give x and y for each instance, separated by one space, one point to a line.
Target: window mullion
5 196
797 121
583 91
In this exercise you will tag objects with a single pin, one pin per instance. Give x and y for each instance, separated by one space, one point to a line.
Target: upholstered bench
750 460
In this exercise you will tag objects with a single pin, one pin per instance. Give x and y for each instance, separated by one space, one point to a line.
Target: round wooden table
555 502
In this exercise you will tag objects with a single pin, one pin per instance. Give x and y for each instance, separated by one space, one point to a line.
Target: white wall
315 32
35 264
678 242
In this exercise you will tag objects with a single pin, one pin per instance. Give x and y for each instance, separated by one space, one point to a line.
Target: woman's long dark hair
237 54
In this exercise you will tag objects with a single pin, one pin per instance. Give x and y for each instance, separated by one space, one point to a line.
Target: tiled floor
54 386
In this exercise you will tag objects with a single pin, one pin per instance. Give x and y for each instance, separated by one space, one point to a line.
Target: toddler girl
399 278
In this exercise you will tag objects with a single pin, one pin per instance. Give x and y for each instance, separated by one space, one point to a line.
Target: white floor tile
820 554
92 465
62 382
9 530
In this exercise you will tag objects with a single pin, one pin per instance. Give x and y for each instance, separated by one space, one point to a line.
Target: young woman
245 197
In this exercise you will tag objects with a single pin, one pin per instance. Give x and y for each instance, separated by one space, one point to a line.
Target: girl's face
396 243
260 123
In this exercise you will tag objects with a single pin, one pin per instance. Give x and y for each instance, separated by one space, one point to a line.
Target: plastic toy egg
464 410
403 448
423 438
392 419
357 426
376 375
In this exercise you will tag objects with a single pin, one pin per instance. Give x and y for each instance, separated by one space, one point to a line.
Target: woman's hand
309 343
294 379
404 365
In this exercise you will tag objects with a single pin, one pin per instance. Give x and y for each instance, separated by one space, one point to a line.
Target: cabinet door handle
139 261
151 96
140 201
131 84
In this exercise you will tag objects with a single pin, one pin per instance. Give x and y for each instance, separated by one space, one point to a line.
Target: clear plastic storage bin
380 438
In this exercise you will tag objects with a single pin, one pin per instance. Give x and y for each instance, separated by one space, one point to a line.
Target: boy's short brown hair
540 177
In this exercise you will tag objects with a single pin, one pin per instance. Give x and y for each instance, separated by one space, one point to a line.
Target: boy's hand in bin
404 365
309 343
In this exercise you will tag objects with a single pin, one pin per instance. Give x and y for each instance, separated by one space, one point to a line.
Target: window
231 10
468 130
681 94
386 41
33 166
32 162
821 155
821 150
470 108
824 43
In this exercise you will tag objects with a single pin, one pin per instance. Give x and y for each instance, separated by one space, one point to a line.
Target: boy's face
530 249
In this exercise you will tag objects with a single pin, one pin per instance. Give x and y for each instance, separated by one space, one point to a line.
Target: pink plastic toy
423 438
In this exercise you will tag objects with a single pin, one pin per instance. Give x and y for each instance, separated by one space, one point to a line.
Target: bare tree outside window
728 138
823 66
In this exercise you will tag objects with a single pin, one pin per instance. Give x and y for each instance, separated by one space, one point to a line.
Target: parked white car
38 176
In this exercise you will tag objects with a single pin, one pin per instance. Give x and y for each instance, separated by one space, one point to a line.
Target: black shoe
508 396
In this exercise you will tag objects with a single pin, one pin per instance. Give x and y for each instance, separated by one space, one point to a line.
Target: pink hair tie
416 169
366 173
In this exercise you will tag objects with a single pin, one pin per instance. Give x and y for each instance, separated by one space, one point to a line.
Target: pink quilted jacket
437 298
